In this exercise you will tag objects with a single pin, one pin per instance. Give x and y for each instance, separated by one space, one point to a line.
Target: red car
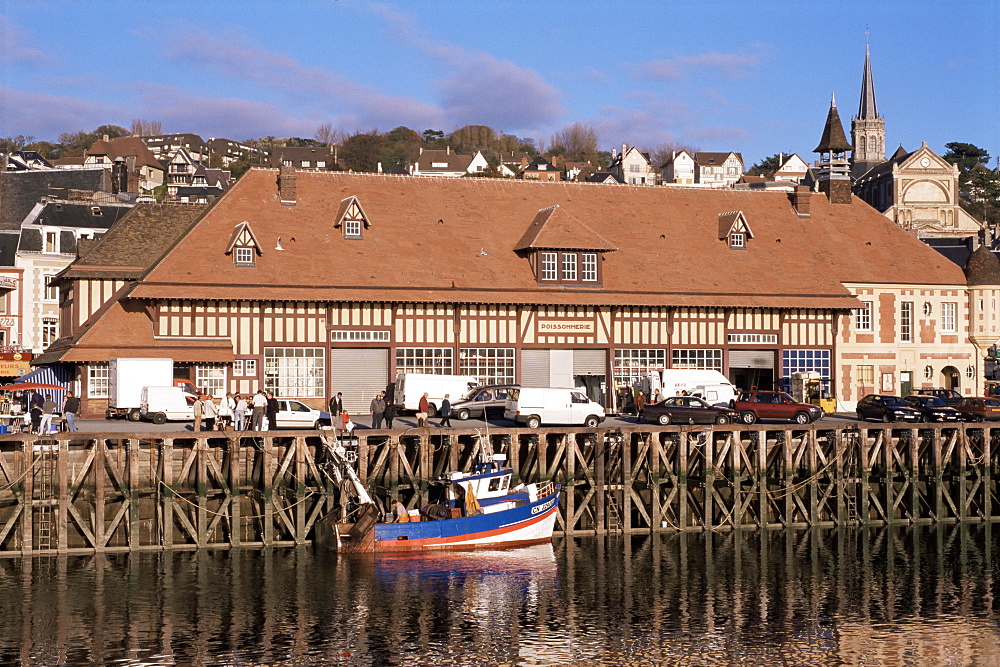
757 405
979 408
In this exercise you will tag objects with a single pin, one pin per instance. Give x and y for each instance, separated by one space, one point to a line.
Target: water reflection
901 596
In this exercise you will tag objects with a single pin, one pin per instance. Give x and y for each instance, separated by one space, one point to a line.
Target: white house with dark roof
679 169
634 167
447 163
720 170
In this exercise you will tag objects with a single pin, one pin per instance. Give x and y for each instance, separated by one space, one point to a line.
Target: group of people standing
41 411
244 412
384 410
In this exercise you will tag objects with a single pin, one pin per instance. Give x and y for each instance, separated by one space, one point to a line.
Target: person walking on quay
389 414
209 413
240 413
272 412
445 412
422 409
71 406
377 408
199 411
226 407
259 408
336 407
640 405
49 408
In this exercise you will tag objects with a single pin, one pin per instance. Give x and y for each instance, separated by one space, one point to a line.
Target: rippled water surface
914 596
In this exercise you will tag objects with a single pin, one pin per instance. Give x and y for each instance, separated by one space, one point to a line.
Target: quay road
406 422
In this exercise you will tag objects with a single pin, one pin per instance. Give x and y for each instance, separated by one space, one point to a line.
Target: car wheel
463 415
801 418
861 417
722 419
591 422
925 418
663 419
159 418
134 415
748 417
532 422
431 410
886 418
316 425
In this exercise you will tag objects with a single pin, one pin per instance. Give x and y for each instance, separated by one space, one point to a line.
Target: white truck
126 378
535 406
710 385
162 404
411 386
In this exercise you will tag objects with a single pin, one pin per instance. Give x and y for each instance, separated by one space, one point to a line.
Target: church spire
867 108
868 127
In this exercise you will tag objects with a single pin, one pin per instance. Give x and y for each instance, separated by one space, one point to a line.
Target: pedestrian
36 400
336 407
259 408
209 412
199 410
36 418
226 406
271 410
389 414
71 406
399 510
240 412
445 411
377 409
656 397
422 410
49 408
640 404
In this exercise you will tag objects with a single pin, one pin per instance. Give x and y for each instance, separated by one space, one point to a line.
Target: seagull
482 252
278 247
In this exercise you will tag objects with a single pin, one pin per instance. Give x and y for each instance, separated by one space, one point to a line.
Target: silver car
482 402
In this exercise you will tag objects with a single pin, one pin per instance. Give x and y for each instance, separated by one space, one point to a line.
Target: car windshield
784 398
894 400
932 402
991 403
699 403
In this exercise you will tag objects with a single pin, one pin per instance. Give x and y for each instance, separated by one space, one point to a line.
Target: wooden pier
83 493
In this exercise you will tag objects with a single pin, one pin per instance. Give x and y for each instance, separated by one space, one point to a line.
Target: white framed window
709 359
549 260
294 372
906 321
51 290
286 163
243 256
238 368
866 376
569 266
970 372
948 310
321 164
588 267
50 331
360 336
97 380
633 168
435 360
250 368
210 378
863 317
51 242
737 240
352 228
306 164
490 365
928 372
796 361
631 366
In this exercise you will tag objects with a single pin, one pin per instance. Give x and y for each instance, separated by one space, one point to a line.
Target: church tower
868 127
833 171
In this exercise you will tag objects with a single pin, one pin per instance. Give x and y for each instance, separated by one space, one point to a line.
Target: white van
710 385
160 404
534 406
411 386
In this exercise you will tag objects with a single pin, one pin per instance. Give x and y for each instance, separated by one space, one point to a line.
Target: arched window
861 144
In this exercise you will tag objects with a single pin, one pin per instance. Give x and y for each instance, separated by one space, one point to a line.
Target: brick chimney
286 186
800 200
838 190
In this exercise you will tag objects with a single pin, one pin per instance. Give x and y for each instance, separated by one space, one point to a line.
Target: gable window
863 317
52 242
243 256
588 266
549 265
948 317
50 331
352 228
569 266
737 240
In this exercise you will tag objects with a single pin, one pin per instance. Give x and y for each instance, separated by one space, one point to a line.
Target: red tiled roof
447 240
554 228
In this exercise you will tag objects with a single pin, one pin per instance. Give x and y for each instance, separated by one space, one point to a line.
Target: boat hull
531 523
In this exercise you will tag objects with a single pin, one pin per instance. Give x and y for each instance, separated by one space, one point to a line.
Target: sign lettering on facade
572 327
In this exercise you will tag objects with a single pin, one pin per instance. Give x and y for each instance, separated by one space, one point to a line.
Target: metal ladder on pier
45 492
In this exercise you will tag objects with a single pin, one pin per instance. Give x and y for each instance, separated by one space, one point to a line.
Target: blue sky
754 77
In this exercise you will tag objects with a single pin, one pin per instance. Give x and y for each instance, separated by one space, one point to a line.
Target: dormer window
243 245
733 227
549 266
563 250
243 256
352 228
737 241
352 219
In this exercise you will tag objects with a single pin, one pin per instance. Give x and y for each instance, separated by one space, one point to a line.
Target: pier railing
83 493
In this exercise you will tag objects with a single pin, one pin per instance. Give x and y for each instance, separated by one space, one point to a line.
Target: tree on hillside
327 135
433 139
578 142
472 138
361 151
11 144
965 157
113 131
146 128
767 166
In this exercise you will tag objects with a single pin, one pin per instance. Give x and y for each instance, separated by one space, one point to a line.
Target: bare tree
146 128
328 135
663 153
579 142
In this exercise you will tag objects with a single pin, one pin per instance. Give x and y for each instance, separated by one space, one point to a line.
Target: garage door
751 359
590 362
360 373
534 368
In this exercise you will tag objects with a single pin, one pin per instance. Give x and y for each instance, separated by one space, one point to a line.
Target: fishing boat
469 510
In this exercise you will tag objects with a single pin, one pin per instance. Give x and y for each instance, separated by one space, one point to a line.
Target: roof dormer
243 245
351 218
734 229
563 250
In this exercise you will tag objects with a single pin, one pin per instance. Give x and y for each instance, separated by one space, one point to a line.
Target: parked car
687 410
979 408
933 409
296 414
949 396
488 401
887 409
755 405
534 406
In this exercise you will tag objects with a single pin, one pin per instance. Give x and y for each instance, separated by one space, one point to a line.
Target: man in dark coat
445 411
336 407
271 411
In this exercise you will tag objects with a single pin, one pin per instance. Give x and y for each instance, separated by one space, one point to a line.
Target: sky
753 77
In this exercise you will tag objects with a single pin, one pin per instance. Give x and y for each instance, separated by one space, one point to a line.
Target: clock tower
868 127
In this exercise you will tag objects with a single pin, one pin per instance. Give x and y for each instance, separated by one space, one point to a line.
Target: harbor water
899 596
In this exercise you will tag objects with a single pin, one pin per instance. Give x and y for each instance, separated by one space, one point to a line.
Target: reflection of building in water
955 640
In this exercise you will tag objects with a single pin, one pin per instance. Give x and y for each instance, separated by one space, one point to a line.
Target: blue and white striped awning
50 374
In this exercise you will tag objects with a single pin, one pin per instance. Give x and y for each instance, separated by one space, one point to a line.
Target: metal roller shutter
535 368
359 373
590 362
751 359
